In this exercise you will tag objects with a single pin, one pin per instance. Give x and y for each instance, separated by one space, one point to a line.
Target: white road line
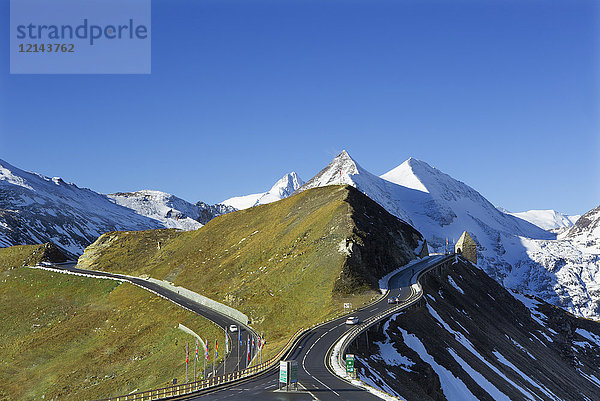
308 391
307 352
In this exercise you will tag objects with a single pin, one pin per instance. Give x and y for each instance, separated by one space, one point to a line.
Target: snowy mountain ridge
546 219
169 210
515 252
37 209
283 188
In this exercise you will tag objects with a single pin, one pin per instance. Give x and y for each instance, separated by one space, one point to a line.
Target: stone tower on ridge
467 247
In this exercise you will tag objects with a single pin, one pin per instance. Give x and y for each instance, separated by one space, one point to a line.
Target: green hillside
66 337
286 265
28 255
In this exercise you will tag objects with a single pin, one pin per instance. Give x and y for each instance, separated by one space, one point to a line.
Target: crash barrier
230 378
416 292
191 387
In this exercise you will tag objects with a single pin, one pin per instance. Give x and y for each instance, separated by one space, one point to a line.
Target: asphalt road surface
232 362
317 382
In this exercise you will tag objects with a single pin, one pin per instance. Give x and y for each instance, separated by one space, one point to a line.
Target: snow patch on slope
452 387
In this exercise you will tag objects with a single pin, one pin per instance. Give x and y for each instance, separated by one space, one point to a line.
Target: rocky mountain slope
36 209
572 261
471 339
169 210
283 188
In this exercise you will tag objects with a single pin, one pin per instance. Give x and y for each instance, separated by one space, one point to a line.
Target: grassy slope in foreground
75 338
287 264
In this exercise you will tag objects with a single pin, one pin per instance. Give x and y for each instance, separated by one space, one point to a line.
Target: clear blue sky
503 95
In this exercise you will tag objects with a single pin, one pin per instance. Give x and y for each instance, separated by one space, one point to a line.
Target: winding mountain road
312 351
317 381
232 363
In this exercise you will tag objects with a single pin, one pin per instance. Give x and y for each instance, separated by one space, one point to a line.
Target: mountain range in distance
516 249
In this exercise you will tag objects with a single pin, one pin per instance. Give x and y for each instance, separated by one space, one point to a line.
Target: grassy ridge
20 255
29 255
286 265
66 337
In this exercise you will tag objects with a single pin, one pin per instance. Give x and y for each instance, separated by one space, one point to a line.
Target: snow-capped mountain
572 263
441 207
208 212
169 210
433 202
36 209
282 189
546 219
586 229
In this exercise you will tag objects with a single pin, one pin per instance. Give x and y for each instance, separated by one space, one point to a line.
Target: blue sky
503 95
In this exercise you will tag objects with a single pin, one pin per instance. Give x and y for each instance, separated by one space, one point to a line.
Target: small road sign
288 374
350 364
293 371
283 372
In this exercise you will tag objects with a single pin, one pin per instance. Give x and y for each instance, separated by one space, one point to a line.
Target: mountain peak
286 185
408 174
283 188
337 172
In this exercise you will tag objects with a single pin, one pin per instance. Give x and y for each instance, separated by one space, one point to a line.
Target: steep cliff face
471 339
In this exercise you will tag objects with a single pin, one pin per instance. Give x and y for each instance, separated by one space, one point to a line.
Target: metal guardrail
213 382
351 335
191 387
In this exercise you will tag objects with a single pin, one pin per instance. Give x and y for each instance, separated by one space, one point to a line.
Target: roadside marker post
347 305
187 359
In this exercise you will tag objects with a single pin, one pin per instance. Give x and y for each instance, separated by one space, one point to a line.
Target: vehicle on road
352 320
233 328
392 300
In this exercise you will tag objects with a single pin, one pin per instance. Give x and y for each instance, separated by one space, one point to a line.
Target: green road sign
293 369
283 372
349 363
